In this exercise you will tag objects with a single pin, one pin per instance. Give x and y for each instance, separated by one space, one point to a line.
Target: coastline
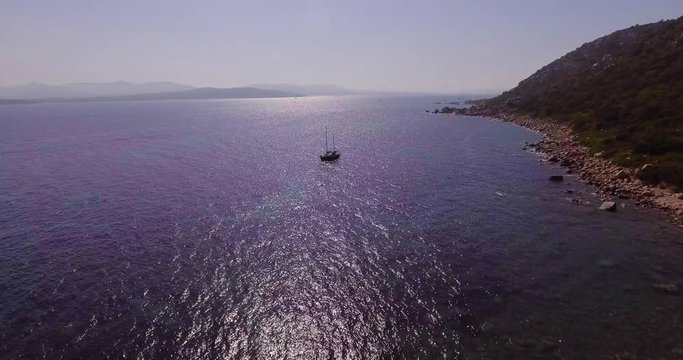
612 182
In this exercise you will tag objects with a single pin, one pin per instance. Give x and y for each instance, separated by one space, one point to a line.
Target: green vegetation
623 94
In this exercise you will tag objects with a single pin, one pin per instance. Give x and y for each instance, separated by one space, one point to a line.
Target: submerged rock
556 178
608 206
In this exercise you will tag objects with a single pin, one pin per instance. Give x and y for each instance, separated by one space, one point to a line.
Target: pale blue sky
444 46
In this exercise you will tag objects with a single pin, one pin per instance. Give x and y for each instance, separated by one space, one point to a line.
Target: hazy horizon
440 47
287 87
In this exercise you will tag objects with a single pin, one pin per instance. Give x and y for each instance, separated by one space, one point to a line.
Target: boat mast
326 138
334 148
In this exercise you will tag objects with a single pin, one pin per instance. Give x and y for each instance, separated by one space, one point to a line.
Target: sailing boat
330 155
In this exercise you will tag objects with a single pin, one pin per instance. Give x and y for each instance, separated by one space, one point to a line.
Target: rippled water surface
210 229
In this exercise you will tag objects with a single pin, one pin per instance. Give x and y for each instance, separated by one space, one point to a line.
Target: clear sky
444 46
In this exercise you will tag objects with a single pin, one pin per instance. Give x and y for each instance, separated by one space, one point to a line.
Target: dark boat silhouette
330 155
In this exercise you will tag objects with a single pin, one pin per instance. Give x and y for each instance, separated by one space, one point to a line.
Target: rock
669 289
622 174
679 196
566 162
554 159
598 154
556 178
569 191
608 206
644 167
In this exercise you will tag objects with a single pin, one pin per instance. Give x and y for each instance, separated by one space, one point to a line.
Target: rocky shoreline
612 181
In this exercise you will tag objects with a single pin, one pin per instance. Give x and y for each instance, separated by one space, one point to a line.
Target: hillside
622 94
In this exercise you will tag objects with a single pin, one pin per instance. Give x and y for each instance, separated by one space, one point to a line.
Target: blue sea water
210 229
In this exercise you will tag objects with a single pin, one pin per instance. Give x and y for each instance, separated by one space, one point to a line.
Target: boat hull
330 157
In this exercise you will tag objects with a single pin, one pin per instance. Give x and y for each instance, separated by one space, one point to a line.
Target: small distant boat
330 155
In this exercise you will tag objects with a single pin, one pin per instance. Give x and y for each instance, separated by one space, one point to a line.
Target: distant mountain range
12 101
127 91
124 91
34 91
38 91
195 94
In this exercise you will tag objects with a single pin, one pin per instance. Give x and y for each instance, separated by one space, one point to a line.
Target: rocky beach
613 182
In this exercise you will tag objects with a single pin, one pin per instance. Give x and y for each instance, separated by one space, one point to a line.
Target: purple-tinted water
210 229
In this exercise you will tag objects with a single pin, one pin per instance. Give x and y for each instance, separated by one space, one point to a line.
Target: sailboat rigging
330 155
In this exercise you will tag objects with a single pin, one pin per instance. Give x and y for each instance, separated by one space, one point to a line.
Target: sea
210 229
